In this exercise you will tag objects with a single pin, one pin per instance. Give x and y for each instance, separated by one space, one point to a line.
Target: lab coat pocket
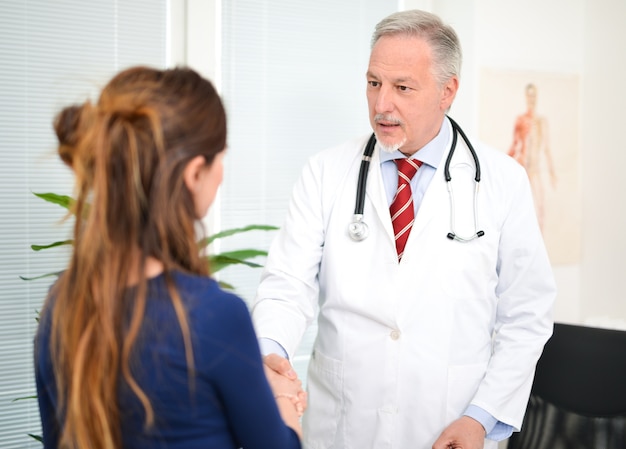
463 382
325 386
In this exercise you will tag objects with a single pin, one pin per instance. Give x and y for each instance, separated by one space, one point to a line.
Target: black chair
578 397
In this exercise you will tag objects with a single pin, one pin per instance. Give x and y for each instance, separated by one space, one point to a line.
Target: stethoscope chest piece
358 229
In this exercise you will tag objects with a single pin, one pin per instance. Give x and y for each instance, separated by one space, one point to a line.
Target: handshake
285 383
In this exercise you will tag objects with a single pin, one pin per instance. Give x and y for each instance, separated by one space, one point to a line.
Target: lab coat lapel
375 192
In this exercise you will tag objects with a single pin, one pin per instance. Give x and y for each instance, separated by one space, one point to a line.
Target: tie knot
407 168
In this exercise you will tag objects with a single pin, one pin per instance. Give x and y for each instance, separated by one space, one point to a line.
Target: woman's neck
152 268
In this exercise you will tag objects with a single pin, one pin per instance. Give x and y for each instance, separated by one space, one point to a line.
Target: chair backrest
578 398
583 370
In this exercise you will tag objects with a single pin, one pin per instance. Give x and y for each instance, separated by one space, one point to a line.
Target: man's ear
448 92
191 174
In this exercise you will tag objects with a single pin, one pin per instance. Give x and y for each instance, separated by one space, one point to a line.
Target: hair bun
67 127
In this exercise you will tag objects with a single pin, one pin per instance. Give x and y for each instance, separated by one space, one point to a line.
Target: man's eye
373 83
403 88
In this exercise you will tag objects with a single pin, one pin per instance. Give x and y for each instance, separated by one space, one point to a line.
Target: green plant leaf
25 397
243 254
226 285
62 200
228 232
52 245
56 273
220 261
36 437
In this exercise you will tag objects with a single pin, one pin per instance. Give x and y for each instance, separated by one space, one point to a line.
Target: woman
137 346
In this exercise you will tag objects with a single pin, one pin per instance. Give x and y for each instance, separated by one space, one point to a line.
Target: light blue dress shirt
430 155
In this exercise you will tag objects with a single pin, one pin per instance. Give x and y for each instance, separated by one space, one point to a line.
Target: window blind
53 54
293 81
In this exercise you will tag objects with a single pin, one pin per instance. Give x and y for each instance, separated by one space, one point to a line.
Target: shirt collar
429 154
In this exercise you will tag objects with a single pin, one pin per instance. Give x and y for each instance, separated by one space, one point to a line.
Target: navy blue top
232 405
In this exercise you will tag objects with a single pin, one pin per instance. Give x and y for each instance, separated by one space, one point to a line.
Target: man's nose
384 101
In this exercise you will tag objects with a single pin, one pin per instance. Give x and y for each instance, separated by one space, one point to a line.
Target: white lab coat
403 348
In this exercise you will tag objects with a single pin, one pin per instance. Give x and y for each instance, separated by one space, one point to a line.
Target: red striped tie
402 214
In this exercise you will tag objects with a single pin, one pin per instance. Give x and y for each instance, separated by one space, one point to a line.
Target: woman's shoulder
194 282
203 293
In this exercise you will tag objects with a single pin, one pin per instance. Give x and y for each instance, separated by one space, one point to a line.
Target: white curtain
53 53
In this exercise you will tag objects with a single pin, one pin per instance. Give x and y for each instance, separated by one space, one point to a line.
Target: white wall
535 36
584 38
603 161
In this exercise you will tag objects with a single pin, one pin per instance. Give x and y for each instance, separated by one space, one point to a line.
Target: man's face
406 103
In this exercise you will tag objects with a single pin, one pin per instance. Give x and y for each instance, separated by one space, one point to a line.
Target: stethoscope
358 229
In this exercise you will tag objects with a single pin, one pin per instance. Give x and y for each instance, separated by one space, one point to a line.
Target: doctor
432 344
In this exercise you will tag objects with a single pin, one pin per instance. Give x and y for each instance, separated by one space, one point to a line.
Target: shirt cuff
495 430
269 346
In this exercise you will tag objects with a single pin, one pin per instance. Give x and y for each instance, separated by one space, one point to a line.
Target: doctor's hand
284 381
464 433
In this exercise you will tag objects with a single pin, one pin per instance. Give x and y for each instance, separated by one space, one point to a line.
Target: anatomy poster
534 118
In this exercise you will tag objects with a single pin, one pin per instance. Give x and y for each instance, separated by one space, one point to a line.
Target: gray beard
391 148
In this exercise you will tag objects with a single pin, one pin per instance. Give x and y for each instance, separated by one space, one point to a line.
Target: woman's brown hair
128 152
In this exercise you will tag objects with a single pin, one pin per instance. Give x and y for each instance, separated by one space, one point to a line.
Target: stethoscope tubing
446 167
363 170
